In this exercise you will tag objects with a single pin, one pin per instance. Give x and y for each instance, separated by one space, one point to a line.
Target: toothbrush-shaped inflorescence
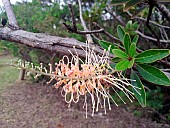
92 78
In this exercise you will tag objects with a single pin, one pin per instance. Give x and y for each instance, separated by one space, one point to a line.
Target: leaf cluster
127 58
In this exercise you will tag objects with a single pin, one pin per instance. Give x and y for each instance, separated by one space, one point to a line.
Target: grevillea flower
92 78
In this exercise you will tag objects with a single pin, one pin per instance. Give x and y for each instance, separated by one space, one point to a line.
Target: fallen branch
43 41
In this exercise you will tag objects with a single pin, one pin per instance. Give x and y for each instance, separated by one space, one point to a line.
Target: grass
8 74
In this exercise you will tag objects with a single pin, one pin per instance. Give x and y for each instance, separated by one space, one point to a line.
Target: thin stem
57 76
89 38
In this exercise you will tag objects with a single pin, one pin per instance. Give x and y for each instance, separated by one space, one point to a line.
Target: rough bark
43 41
10 14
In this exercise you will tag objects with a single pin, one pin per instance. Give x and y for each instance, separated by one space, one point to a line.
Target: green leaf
131 63
132 50
128 25
116 59
132 33
120 33
130 4
135 26
153 75
118 2
106 45
119 53
139 91
122 65
113 65
135 39
152 55
127 42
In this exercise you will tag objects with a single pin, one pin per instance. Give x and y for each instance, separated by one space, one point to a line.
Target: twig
72 16
151 38
111 36
115 16
89 38
51 74
95 37
151 6
164 35
138 32
166 70
165 62
150 21
107 34
73 28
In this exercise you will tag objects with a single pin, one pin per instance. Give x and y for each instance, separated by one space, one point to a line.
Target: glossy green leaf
131 63
118 2
130 4
122 65
116 59
153 75
127 42
106 45
139 91
135 39
120 33
152 55
119 53
132 50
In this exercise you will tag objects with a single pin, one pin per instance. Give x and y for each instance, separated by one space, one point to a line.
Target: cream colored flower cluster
93 78
90 78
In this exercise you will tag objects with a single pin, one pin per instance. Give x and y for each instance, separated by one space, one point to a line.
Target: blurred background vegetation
46 16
